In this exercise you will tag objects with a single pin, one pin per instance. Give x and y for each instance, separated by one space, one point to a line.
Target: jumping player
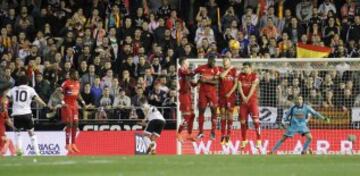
297 117
5 143
21 97
155 124
227 87
70 109
209 74
185 99
247 84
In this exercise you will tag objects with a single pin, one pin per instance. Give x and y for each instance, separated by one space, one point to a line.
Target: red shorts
3 116
185 103
207 98
2 133
251 108
69 114
228 103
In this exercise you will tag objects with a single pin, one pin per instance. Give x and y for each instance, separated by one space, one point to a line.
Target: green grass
182 166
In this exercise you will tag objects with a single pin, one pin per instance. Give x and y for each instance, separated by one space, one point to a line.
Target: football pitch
181 166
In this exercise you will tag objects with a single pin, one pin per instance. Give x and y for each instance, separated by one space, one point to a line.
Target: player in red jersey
5 143
227 87
69 110
248 82
186 109
209 74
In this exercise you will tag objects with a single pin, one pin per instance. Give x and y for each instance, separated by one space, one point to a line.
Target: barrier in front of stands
131 142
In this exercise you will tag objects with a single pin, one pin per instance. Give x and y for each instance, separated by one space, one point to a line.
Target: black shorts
155 127
23 122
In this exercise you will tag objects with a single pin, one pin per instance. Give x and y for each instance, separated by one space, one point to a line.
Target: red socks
223 126
73 134
67 134
190 123
213 123
201 123
229 126
257 130
243 131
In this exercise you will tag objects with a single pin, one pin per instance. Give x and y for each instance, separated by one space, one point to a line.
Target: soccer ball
234 45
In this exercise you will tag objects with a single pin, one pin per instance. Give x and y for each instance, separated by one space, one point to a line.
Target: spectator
348 9
347 101
170 103
54 104
314 99
136 103
88 77
267 89
127 83
105 104
42 87
96 91
89 102
107 80
122 103
304 10
156 95
325 7
328 101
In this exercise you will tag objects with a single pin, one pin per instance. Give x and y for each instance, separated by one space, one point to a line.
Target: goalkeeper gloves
327 119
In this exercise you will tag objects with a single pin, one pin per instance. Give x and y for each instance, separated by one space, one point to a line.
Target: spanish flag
312 51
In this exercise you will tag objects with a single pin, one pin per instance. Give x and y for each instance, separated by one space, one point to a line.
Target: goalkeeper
297 118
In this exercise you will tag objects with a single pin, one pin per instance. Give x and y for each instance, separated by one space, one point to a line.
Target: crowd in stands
320 89
127 49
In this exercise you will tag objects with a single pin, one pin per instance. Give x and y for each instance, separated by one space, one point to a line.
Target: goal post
330 86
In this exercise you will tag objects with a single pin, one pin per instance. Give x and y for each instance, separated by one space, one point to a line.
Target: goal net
330 86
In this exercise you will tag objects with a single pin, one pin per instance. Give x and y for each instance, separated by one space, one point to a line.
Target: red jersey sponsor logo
227 83
71 91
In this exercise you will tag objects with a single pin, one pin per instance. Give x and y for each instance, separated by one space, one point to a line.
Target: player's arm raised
317 114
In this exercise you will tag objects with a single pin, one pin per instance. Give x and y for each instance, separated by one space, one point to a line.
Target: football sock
243 131
67 135
190 123
306 144
229 126
257 129
213 123
35 144
223 126
277 145
18 142
201 123
73 134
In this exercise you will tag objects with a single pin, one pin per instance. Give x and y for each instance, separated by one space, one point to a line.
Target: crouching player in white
21 97
297 117
155 124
